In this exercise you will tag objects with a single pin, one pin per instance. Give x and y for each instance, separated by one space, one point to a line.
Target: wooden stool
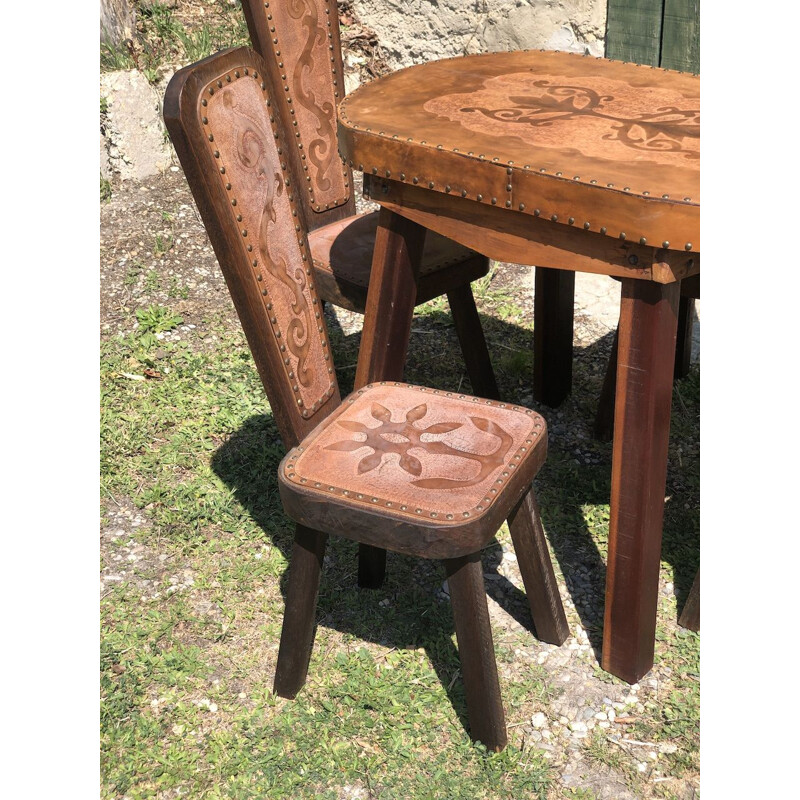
414 470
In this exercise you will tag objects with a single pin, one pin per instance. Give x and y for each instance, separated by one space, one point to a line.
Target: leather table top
607 146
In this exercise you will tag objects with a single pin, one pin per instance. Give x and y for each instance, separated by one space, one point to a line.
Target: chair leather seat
342 256
440 467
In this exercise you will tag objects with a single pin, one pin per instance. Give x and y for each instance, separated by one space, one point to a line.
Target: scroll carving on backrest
242 140
307 64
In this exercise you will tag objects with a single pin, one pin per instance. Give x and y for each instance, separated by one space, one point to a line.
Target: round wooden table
569 163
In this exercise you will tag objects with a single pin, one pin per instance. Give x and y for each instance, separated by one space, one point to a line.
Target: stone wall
411 31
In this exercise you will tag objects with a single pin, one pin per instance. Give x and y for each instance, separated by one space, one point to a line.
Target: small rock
538 720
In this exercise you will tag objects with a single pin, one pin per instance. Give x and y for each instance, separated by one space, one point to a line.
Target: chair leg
371 566
473 342
396 260
476 650
536 568
690 616
604 421
297 636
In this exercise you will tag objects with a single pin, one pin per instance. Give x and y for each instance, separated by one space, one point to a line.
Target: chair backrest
230 143
299 41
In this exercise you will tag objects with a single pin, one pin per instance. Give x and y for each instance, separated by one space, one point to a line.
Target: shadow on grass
574 481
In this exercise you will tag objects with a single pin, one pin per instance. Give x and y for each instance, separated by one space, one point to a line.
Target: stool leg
476 650
297 636
536 568
473 342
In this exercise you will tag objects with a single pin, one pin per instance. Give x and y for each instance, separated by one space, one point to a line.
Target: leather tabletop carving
599 117
603 145
241 138
417 452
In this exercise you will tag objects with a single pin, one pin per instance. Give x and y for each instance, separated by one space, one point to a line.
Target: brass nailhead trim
517 457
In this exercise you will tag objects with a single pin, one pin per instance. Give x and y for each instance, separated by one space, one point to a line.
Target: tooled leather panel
302 41
242 140
417 452
602 118
345 248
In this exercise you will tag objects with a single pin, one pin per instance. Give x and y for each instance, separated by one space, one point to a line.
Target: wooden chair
299 41
418 471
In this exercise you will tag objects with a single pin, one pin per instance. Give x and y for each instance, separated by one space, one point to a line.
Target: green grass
115 58
163 243
105 189
162 39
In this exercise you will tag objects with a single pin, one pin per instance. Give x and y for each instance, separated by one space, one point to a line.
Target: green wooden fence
661 33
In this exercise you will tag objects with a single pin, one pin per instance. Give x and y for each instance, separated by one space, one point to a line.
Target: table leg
690 617
553 305
647 330
683 348
604 419
391 299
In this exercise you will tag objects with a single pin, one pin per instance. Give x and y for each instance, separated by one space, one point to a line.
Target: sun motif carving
404 436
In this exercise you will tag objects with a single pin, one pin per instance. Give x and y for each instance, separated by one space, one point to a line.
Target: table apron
506 235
